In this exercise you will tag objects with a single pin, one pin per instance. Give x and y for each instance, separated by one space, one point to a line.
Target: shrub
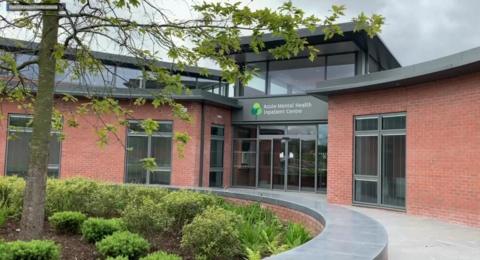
95 229
296 235
212 234
121 257
183 206
71 195
34 249
67 221
161 256
11 196
3 216
145 217
123 243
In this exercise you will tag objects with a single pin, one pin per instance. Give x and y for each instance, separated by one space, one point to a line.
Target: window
140 145
18 147
128 78
257 85
380 149
340 66
244 156
30 72
295 76
216 156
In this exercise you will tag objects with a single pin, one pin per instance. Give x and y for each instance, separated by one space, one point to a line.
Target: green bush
71 195
161 256
296 235
183 206
95 229
11 196
67 221
212 234
34 249
123 243
3 216
121 257
145 217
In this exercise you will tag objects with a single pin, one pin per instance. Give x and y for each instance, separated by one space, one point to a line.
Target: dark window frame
378 178
56 167
130 133
218 169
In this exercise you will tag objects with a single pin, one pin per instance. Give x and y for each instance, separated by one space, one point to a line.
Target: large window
18 147
257 85
216 156
340 66
140 146
379 171
244 156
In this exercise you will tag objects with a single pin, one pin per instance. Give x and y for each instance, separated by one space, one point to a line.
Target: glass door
278 163
265 164
293 164
307 165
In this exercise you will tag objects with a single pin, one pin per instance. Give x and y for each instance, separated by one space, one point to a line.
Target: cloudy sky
414 30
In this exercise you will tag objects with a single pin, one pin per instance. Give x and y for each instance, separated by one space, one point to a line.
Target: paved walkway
414 237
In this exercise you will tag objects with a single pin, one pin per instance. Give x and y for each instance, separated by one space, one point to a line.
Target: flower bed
133 221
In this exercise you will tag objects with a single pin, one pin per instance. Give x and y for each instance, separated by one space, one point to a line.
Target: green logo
256 109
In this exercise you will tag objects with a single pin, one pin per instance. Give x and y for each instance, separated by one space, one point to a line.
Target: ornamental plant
95 229
124 244
34 249
67 221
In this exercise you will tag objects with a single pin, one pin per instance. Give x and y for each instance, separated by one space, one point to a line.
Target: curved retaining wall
346 234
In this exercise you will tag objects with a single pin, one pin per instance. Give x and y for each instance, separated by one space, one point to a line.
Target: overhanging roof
450 66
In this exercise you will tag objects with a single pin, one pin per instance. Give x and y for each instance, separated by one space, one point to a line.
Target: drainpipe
202 144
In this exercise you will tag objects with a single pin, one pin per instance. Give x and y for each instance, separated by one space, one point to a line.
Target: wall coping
347 234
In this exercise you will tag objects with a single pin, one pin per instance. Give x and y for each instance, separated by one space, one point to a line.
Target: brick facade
443 145
82 156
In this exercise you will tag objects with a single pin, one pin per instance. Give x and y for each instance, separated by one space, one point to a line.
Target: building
401 138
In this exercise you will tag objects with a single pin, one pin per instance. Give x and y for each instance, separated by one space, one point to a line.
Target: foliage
67 221
3 216
95 229
146 217
160 255
212 234
123 244
34 249
121 257
71 195
183 206
296 235
181 140
11 196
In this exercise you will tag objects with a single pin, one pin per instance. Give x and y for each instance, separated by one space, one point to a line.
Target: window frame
130 133
30 130
221 138
378 178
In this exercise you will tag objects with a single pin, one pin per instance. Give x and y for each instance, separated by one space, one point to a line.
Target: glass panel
208 84
231 90
308 165
366 191
366 124
160 177
18 153
20 121
278 164
272 130
366 152
216 179
54 150
138 149
67 77
189 82
265 163
98 79
244 162
394 122
216 153
245 131
295 75
293 171
52 173
256 86
340 66
393 189
30 72
322 157
161 149
302 130
372 65
136 127
217 131
128 78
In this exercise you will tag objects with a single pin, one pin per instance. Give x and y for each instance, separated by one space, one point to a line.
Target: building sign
12 7
294 108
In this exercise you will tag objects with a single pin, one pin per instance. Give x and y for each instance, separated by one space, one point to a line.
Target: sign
35 7
293 108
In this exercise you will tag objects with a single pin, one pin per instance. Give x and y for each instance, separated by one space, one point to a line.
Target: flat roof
373 45
112 59
449 66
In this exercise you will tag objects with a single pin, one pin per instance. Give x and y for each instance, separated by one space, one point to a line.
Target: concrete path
414 237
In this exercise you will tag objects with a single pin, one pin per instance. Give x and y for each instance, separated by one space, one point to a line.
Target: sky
414 30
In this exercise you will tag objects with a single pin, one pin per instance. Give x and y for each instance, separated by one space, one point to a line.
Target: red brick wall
443 145
82 156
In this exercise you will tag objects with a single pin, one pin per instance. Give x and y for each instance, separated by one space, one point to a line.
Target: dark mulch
73 247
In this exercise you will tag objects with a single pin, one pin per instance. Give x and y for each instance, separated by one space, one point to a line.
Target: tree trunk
33 214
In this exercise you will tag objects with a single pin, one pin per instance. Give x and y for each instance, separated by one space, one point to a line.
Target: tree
134 27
